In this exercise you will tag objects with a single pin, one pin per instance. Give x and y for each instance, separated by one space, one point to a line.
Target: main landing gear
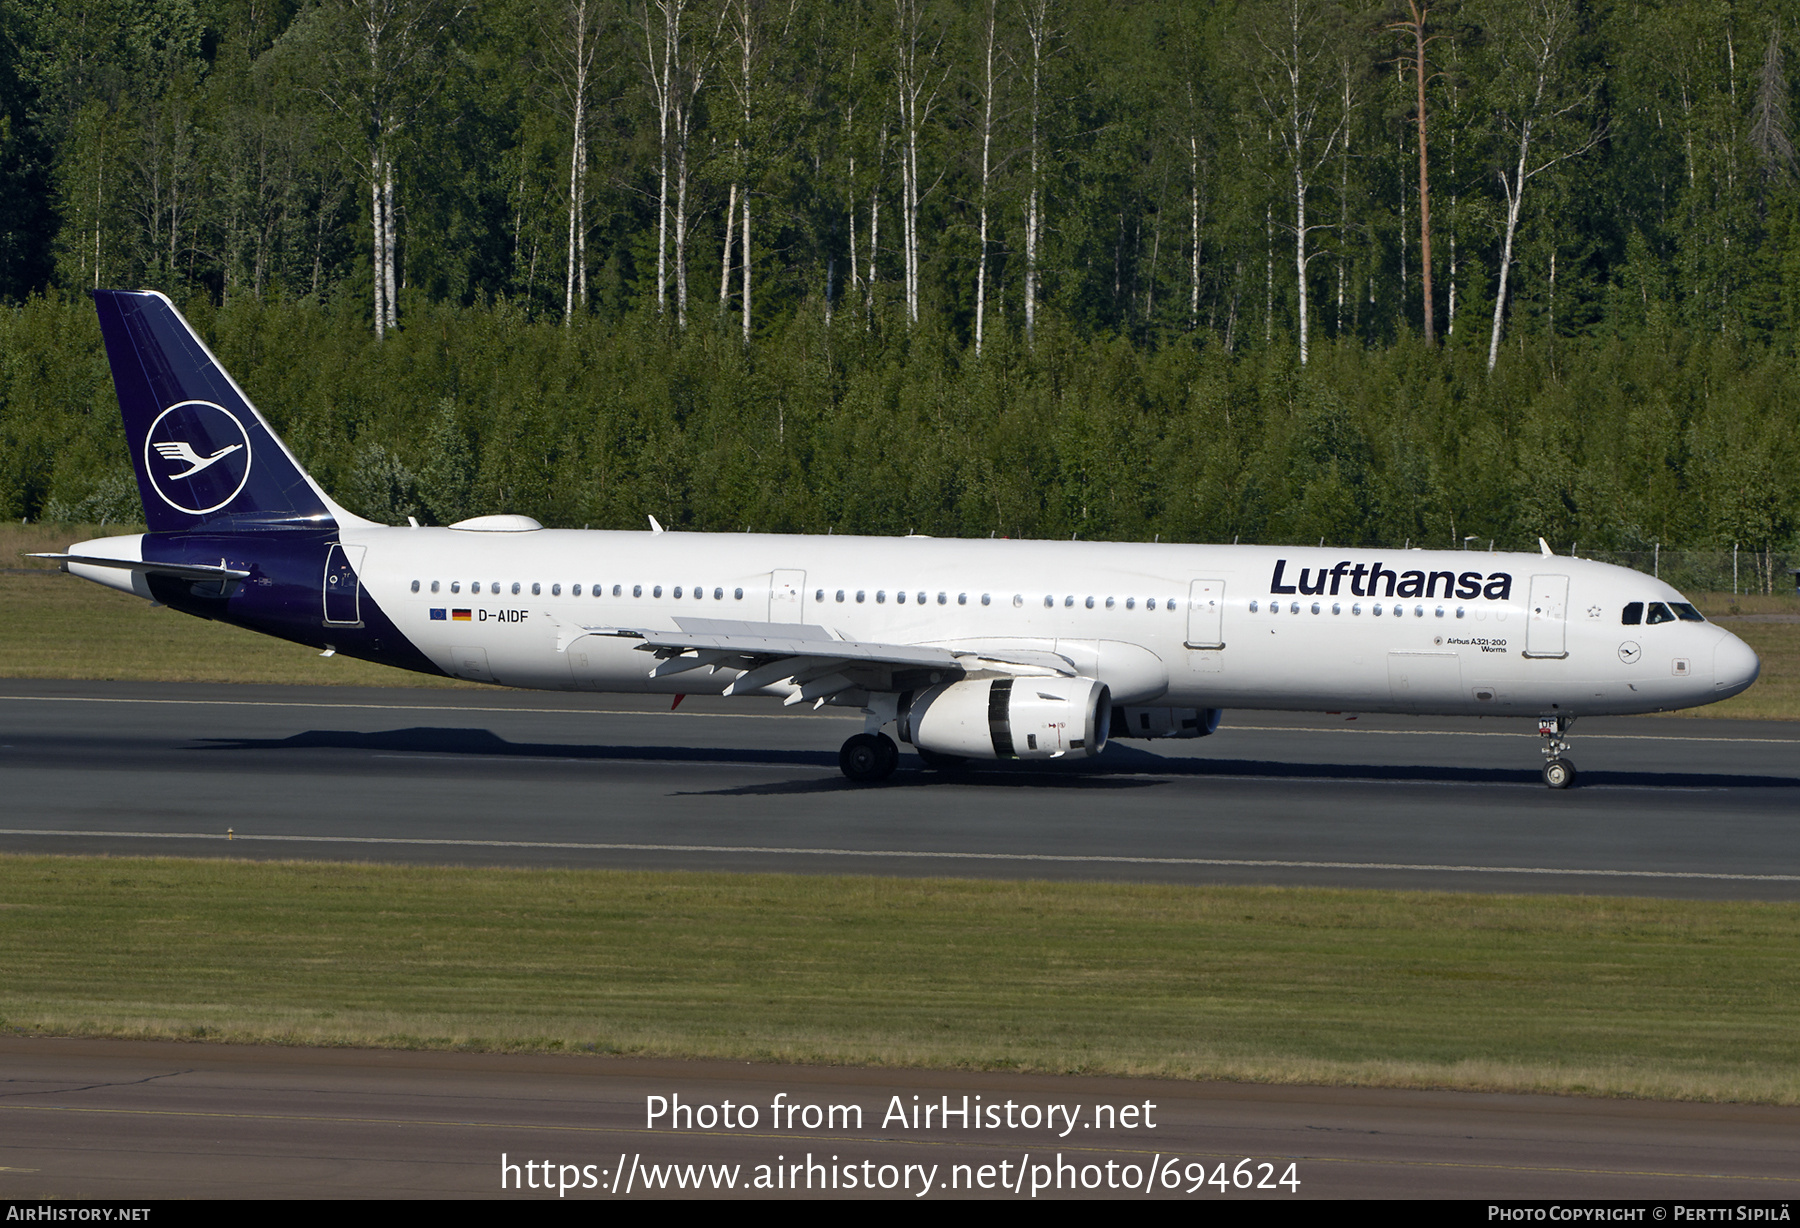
869 757
1559 773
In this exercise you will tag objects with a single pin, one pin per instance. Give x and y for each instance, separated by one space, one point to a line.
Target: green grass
1545 993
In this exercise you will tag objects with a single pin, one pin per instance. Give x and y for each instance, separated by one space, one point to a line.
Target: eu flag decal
438 616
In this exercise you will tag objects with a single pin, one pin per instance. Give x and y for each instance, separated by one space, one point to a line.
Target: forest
1391 272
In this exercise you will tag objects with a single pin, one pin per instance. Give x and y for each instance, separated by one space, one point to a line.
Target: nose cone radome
1735 666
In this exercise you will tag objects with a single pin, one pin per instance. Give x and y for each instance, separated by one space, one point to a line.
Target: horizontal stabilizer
181 571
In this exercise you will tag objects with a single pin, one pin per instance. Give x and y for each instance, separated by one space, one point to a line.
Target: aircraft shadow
429 741
1119 767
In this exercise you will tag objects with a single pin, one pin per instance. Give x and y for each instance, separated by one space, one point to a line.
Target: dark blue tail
201 450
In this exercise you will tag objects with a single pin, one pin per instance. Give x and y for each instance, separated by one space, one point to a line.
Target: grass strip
1663 998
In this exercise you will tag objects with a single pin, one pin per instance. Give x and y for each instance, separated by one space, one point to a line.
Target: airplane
966 649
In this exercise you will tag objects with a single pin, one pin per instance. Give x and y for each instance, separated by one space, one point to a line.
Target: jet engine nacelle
1010 718
1163 722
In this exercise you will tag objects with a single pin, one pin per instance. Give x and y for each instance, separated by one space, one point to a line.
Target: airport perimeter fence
1715 571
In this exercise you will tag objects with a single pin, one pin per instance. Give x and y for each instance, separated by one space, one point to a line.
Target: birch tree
1294 81
1038 37
1539 110
916 79
378 77
574 63
989 37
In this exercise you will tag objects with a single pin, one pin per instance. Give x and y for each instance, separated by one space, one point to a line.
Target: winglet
1545 547
654 526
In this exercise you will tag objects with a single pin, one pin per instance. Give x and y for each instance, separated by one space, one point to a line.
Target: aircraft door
787 594
1206 614
342 587
1546 621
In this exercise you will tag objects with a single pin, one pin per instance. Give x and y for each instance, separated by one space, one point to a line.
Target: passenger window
434 586
943 598
1131 604
537 589
556 590
1090 603
677 592
921 598
1109 603
415 587
657 591
819 596
899 597
456 586
962 599
1634 614
859 596
840 596
1252 605
1659 613
1315 607
718 594
1151 605
737 594
1049 602
515 591
618 589
880 596
637 590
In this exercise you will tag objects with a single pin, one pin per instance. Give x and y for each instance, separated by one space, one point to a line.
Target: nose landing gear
1559 773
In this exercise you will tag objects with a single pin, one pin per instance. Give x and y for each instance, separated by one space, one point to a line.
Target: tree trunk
1417 24
987 139
725 259
1515 193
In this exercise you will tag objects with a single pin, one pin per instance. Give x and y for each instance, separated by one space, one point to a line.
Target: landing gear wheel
938 762
869 757
1559 773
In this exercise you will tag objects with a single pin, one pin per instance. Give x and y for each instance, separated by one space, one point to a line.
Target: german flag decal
459 616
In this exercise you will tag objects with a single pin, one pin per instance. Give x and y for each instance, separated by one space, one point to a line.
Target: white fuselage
1176 625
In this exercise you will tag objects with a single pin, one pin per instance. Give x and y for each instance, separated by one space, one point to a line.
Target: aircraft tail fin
201 451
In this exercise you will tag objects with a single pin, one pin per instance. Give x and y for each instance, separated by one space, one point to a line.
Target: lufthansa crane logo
198 456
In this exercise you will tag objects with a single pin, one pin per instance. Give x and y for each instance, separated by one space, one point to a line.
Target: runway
1687 808
145 1120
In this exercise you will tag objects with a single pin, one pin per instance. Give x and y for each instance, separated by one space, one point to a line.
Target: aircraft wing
813 661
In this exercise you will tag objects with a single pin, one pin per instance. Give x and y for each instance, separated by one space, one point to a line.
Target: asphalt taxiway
1670 807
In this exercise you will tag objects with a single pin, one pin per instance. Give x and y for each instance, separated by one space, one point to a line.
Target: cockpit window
1686 613
1659 613
1634 613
